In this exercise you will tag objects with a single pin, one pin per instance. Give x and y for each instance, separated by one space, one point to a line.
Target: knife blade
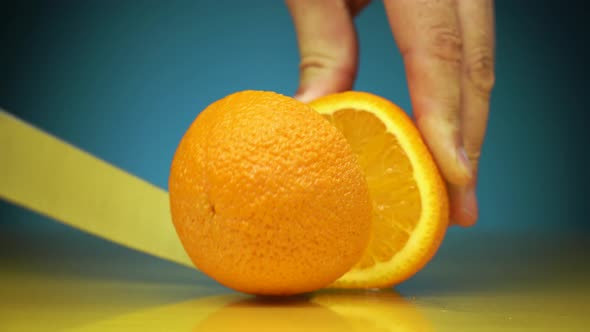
45 174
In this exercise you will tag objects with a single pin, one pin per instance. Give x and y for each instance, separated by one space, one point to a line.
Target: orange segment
410 203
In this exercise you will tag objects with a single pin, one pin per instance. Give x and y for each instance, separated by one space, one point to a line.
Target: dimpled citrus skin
267 197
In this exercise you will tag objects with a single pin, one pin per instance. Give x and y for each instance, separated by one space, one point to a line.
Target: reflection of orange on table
322 311
383 310
255 314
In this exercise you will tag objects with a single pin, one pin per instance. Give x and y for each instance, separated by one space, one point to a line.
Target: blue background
124 79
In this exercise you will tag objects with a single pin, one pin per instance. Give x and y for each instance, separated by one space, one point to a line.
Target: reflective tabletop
66 280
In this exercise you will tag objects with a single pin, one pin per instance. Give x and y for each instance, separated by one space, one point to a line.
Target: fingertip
464 209
320 81
465 219
443 141
306 96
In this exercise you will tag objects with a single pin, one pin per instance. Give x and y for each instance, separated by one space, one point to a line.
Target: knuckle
316 60
479 67
445 43
326 63
440 110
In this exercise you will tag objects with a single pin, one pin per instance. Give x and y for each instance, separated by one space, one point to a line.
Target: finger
477 26
327 46
428 35
464 209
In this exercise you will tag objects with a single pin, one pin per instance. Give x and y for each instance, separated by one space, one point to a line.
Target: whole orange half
409 197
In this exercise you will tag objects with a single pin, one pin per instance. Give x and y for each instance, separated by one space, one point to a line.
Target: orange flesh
392 187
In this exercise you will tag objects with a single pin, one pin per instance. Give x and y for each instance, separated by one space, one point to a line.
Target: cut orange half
410 202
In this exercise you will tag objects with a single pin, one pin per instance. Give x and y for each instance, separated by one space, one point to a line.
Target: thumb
327 46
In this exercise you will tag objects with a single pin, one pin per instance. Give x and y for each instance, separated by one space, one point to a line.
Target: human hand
448 52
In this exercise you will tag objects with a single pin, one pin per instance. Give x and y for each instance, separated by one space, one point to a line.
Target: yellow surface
83 284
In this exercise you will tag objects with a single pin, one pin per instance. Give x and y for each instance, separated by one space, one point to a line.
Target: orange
410 202
267 197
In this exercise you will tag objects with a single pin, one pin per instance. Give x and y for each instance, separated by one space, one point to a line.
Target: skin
448 52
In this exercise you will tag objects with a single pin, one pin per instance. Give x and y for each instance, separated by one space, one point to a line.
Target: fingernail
464 159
